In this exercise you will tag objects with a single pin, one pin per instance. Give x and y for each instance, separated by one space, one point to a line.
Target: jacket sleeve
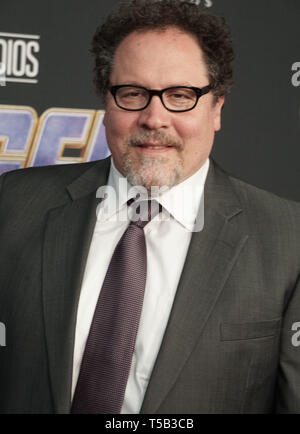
288 383
2 179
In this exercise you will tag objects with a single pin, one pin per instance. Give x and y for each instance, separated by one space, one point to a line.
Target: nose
155 116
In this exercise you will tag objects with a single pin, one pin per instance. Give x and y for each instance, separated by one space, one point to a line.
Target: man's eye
131 94
180 96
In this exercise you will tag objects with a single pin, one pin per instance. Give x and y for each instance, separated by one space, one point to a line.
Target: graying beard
148 179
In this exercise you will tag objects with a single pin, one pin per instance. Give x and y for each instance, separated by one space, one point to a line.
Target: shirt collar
116 193
181 201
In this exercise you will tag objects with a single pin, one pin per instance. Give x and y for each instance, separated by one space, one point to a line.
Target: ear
217 112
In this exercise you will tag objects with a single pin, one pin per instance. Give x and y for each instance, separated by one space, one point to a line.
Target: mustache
157 136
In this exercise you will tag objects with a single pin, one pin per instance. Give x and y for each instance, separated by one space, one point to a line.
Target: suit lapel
68 232
211 256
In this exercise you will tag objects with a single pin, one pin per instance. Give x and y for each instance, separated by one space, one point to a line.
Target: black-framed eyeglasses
175 99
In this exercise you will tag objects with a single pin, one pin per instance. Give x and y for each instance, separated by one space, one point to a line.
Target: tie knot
143 211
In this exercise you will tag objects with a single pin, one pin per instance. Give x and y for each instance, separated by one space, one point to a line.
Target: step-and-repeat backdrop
50 114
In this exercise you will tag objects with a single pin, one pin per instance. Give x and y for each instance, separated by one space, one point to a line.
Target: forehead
160 58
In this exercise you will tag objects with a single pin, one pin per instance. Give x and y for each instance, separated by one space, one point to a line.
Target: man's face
156 147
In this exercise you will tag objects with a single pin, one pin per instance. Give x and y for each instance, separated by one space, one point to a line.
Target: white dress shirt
167 240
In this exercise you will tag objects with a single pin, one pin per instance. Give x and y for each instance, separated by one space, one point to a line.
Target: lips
154 146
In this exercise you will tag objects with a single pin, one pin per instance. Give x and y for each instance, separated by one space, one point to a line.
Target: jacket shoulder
61 173
271 219
45 184
252 197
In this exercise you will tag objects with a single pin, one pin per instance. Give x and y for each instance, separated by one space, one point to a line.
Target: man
220 303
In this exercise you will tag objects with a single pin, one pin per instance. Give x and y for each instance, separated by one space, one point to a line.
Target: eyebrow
132 83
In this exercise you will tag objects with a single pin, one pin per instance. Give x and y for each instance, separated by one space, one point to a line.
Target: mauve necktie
109 348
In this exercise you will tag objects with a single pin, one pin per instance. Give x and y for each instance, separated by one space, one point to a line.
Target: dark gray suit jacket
228 344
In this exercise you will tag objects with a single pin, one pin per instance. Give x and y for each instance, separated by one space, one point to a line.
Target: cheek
197 134
118 125
192 129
